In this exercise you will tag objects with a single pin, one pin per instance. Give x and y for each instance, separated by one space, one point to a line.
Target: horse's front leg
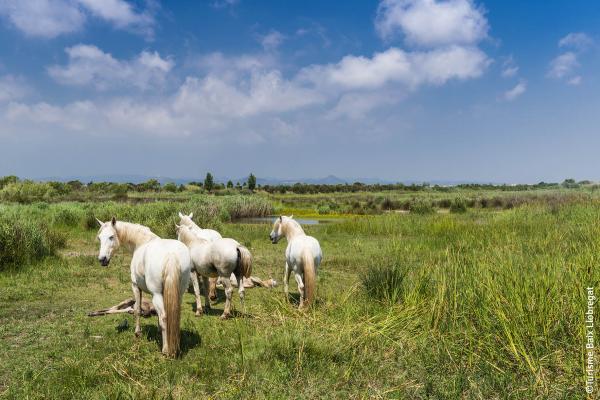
228 292
286 279
300 288
194 277
137 307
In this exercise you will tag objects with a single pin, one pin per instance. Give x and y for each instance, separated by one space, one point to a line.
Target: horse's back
155 256
299 245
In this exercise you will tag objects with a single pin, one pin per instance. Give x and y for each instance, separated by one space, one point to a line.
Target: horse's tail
310 279
172 302
244 261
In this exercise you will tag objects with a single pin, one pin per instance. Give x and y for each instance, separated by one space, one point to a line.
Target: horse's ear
99 222
180 214
191 215
281 218
291 216
114 221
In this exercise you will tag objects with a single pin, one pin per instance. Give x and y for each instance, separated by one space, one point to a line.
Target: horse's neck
133 235
292 229
189 239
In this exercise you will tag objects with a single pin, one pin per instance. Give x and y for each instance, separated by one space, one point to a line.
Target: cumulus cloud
431 22
90 66
516 91
121 14
13 88
563 65
509 68
272 40
579 41
51 18
43 18
398 66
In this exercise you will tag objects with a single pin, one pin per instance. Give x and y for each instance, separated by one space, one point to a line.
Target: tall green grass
23 241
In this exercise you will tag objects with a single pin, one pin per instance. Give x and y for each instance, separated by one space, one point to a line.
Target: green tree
170 187
8 179
229 185
251 182
209 183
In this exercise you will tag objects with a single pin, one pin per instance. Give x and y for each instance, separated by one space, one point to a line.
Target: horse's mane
130 232
294 224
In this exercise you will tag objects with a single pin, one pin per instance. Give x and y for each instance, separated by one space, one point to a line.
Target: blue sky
496 91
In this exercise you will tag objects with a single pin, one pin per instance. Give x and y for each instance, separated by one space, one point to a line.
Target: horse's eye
111 238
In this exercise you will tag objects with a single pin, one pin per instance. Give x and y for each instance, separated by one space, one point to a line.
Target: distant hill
327 180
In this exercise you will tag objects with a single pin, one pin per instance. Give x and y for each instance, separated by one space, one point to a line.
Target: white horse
303 256
219 258
159 266
206 234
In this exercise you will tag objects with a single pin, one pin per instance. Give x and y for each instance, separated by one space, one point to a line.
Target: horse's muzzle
104 261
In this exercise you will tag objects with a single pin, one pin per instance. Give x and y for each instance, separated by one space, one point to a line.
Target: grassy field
483 304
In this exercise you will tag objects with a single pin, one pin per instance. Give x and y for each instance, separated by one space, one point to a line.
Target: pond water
271 219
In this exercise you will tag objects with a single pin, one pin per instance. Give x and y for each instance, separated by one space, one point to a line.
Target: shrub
421 207
385 283
459 205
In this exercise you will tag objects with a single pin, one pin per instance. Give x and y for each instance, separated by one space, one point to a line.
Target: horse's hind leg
157 300
228 292
194 277
137 308
300 288
206 287
286 280
241 289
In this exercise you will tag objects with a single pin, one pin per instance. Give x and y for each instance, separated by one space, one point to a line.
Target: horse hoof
138 334
199 313
225 316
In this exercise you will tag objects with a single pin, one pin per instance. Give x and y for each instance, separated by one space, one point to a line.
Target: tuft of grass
385 283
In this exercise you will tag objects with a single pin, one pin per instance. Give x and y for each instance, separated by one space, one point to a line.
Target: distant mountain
328 180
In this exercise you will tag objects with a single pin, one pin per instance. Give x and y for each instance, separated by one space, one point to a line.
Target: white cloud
224 3
397 66
509 68
51 18
121 14
88 65
272 40
563 65
12 88
43 18
575 81
516 91
579 41
431 22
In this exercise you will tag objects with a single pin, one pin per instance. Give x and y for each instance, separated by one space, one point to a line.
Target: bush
385 283
421 207
459 205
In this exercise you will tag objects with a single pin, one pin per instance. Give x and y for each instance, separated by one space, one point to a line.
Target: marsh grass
470 305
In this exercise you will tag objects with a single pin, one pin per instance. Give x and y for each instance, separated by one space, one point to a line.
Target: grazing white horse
219 258
303 256
159 266
206 234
